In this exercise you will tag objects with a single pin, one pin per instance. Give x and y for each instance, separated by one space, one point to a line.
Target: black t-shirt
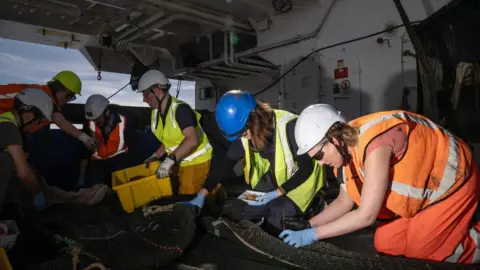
185 116
11 135
236 152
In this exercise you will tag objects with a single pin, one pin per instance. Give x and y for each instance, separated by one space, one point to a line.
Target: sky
23 62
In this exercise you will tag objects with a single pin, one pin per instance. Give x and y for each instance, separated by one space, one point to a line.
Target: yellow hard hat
70 81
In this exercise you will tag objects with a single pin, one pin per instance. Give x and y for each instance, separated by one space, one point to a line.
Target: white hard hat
38 98
152 77
312 125
95 106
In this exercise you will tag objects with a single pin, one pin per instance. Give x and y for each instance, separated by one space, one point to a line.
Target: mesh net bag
318 254
105 236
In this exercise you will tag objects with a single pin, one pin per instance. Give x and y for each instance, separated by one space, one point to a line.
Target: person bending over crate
177 126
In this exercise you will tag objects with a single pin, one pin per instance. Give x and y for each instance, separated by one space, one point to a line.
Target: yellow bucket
4 262
138 185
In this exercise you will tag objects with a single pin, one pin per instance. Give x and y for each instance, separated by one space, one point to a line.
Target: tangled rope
151 210
148 212
75 249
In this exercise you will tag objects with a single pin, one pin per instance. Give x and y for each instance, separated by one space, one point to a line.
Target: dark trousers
273 212
7 172
100 171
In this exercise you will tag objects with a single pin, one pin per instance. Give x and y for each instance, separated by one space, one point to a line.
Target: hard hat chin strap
160 100
342 149
22 123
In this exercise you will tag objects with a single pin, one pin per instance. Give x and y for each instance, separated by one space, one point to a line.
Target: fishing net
211 252
310 257
104 236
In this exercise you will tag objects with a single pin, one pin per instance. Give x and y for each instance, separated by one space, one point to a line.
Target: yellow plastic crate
4 262
138 185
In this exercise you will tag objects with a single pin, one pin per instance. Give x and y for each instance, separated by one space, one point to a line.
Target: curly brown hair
344 132
259 124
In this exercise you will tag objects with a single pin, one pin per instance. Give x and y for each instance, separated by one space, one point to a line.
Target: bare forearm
23 170
350 222
186 148
65 125
160 151
334 211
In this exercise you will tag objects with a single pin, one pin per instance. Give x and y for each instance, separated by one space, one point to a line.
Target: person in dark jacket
264 138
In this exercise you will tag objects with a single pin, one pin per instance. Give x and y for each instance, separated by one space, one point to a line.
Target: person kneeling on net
400 166
31 107
177 127
264 137
114 133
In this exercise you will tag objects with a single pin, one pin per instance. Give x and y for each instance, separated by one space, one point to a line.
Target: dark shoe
296 224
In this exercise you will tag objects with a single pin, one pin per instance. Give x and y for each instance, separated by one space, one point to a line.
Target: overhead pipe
226 58
178 17
235 64
233 70
198 13
143 23
218 77
213 72
275 45
257 62
106 4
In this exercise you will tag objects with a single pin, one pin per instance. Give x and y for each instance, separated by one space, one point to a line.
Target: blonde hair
344 132
259 124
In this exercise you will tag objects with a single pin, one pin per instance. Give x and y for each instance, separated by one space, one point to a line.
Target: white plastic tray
8 241
244 194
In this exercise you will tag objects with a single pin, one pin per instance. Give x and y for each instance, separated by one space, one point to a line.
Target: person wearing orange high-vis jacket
114 133
397 165
62 88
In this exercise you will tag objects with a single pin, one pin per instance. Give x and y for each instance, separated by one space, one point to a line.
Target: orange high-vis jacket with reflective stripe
434 165
8 91
115 143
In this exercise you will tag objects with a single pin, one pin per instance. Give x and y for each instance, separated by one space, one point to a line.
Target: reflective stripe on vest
458 252
7 96
171 136
448 179
120 143
285 165
8 117
427 188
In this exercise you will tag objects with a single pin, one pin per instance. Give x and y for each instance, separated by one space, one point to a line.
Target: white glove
150 159
164 169
89 142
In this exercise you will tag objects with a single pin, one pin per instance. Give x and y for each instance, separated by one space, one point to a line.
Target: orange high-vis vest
434 165
115 144
8 92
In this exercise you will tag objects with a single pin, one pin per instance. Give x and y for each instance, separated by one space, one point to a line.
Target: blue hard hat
233 111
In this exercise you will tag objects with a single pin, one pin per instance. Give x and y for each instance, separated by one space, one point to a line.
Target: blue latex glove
299 238
38 201
197 201
265 198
